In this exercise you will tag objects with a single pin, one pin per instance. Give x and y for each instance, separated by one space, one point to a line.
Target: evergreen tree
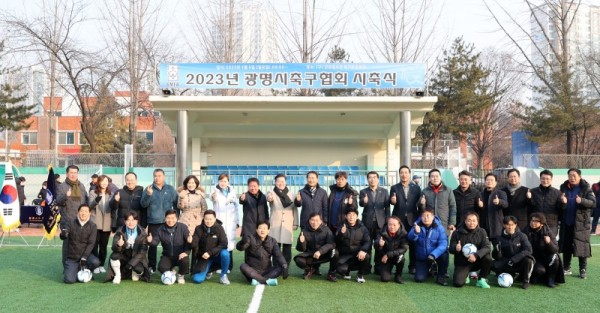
13 112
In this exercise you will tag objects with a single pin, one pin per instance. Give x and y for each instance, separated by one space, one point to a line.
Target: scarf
512 189
192 192
75 190
224 191
437 188
283 196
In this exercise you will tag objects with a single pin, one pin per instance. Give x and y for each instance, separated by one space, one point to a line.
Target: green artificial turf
31 281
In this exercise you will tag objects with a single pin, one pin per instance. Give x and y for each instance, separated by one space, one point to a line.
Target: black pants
546 268
261 276
385 269
167 263
567 239
350 262
152 229
374 232
412 250
100 246
461 272
305 260
286 250
524 268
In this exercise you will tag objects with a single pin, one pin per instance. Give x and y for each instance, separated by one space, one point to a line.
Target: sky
467 18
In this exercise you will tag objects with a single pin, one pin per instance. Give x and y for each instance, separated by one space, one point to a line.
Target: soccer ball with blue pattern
168 278
505 280
469 249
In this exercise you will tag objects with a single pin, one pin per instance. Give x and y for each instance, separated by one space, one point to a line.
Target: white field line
255 304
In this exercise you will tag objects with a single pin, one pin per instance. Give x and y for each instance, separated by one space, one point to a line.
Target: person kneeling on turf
129 258
317 245
353 243
209 245
175 239
513 253
548 265
471 233
391 243
431 245
81 235
259 250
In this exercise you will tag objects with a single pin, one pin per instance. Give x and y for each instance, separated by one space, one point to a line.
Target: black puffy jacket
394 246
355 239
130 200
258 253
320 239
515 248
208 239
312 203
82 239
466 201
173 239
477 236
541 250
547 200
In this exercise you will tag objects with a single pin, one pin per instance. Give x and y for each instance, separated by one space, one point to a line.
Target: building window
29 138
82 140
147 136
66 138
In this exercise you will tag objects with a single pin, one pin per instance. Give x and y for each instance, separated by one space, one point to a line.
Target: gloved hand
83 263
98 199
64 233
285 273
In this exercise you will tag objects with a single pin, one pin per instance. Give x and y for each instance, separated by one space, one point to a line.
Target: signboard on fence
32 214
292 75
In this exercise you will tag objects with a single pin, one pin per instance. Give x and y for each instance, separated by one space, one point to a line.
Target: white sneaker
224 280
180 279
97 270
102 269
117 280
209 275
360 279
348 277
135 276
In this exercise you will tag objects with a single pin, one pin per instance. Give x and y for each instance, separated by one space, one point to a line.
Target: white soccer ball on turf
168 278
469 249
505 280
84 276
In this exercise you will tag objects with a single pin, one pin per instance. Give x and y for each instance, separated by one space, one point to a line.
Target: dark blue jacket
159 202
430 241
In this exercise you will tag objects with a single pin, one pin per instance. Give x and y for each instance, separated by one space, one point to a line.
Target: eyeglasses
536 221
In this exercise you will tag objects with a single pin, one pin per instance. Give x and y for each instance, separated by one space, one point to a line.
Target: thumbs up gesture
496 200
350 200
381 242
366 199
302 239
480 203
578 199
458 247
149 238
214 196
118 197
190 238
243 197
343 230
120 242
423 200
547 239
393 198
417 228
528 193
149 190
299 196
69 192
270 197
564 198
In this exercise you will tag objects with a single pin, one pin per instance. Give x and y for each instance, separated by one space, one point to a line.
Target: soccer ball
84 276
469 249
168 278
505 280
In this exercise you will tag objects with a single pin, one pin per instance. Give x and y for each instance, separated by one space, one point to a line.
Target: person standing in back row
158 198
254 206
491 211
441 198
284 216
313 199
518 204
69 197
405 196
341 197
547 200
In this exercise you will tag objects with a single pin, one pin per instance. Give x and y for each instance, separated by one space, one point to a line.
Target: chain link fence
563 160
41 158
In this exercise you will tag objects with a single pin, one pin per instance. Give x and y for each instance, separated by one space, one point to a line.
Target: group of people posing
509 230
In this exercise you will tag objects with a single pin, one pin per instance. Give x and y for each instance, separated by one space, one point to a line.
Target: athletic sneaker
331 277
582 273
360 279
102 269
224 280
180 279
468 280
347 276
209 276
117 280
254 282
272 281
399 279
568 271
135 276
482 283
97 270
473 275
